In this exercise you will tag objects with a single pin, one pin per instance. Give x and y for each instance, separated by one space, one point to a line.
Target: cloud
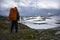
23 3
7 4
47 4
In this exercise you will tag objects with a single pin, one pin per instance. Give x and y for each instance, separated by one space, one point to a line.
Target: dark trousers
14 24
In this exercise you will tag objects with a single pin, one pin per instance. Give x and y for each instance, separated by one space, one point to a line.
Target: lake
50 22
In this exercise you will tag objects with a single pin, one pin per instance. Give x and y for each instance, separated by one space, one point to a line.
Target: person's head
15 8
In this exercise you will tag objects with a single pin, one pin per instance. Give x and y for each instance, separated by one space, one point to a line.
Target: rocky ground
50 34
26 33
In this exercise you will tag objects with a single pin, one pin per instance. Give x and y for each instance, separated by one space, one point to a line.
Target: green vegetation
49 34
24 32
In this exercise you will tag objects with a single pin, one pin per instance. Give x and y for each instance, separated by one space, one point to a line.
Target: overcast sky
39 4
49 4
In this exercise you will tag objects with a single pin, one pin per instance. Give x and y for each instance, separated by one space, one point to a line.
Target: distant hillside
28 11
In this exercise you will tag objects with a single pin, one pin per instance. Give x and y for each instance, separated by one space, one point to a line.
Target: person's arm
18 17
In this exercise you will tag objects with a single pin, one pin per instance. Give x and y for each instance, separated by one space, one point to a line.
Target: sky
28 7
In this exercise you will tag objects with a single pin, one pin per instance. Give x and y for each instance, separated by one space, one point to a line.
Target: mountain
29 11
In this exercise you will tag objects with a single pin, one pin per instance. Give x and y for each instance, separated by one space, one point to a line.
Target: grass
24 32
49 34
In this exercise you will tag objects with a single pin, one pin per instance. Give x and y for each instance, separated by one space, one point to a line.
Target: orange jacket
12 14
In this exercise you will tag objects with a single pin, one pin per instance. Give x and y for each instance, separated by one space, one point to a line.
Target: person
14 18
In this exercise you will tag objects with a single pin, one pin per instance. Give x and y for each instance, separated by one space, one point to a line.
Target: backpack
12 15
